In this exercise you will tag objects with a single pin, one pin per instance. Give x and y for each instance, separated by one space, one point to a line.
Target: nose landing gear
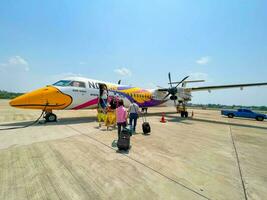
50 117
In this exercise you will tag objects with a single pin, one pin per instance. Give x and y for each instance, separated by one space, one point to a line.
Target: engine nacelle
184 95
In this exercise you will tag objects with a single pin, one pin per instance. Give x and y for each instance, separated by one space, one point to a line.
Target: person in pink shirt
121 116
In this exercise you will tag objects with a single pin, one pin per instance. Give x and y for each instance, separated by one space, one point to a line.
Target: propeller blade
182 81
166 96
169 74
163 89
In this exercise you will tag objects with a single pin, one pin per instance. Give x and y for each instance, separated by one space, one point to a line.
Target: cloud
123 71
15 62
58 77
203 60
198 76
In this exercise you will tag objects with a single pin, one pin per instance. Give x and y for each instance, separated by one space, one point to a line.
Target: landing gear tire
50 117
184 114
259 118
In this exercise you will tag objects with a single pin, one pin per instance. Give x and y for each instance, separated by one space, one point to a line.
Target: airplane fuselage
82 93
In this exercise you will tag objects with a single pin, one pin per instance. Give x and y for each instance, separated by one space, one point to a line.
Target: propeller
172 90
170 79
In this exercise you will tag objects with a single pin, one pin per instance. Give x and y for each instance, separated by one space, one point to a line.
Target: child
111 117
101 116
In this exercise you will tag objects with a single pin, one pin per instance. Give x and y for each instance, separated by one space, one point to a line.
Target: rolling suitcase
124 140
145 126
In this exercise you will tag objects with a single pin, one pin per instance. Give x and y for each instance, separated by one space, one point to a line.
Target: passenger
113 103
117 98
104 98
111 117
121 116
101 116
133 115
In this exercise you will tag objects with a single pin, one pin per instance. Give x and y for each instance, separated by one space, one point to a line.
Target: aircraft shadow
61 121
160 113
186 120
171 118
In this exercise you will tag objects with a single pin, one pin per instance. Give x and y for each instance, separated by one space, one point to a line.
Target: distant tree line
8 95
220 106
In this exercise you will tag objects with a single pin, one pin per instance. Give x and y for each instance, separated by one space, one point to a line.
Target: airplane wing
208 88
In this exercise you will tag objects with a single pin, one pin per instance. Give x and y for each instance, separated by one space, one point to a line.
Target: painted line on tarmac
238 163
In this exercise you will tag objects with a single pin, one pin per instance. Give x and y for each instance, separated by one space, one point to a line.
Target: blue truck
246 113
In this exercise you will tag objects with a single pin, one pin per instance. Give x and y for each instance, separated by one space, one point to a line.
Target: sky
224 42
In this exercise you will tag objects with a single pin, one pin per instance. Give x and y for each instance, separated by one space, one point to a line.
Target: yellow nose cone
49 98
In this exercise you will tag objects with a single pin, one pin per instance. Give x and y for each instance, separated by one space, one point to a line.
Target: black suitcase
145 126
124 140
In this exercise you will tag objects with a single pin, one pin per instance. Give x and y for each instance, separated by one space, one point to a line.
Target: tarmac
205 157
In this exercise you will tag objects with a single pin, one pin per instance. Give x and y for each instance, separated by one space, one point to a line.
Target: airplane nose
19 101
49 97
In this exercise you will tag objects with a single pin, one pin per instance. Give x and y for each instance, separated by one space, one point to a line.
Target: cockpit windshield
62 83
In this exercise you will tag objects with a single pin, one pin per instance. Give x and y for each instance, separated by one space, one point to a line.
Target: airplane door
103 95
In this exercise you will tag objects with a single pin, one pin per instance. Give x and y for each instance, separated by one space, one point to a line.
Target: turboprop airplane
82 93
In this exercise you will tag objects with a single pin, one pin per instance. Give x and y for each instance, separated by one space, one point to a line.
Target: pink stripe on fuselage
86 104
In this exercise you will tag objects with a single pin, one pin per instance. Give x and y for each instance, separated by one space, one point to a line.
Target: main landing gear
50 117
184 114
181 108
144 110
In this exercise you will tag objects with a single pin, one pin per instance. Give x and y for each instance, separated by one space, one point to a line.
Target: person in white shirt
133 112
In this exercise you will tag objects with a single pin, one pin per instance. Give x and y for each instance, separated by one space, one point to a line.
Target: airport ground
205 157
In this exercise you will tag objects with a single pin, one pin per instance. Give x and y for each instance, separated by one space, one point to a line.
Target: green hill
8 95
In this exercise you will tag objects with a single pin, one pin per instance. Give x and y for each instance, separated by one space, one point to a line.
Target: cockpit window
62 83
77 84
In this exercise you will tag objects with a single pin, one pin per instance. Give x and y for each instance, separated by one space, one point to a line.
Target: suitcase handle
144 117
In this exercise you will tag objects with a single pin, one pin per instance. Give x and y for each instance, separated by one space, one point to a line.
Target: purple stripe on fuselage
124 88
149 103
86 104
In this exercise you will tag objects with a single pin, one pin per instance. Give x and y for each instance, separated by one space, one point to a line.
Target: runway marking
238 163
148 167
